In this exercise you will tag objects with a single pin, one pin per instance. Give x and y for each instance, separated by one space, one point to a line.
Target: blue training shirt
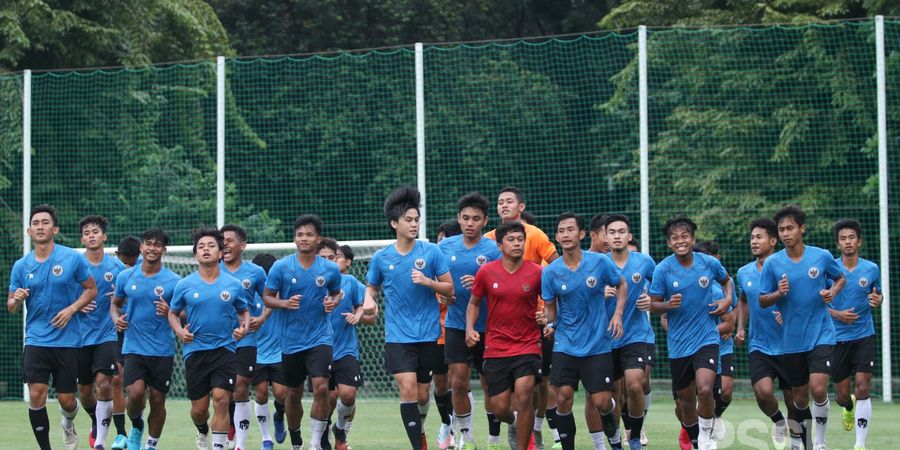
148 334
465 261
97 326
691 326
765 332
726 346
860 282
345 340
638 272
53 286
581 312
411 312
210 309
268 339
307 326
253 279
807 322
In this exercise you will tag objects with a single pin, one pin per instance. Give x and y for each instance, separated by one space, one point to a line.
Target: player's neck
514 220
470 242
512 264
686 260
306 259
95 256
850 261
620 256
572 257
796 252
235 264
760 260
151 267
404 245
42 251
209 272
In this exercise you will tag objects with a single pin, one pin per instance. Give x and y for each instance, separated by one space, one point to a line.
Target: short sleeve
16 278
658 286
178 302
121 281
273 281
832 268
548 294
260 283
81 270
767 281
718 270
334 279
479 290
360 296
649 268
611 273
440 261
545 248
240 302
374 276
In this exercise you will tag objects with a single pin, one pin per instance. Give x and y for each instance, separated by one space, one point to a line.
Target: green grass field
377 426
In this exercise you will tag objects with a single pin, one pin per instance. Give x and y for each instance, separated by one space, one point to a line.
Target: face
342 262
849 242
508 207
618 235
790 232
152 250
599 240
328 254
208 251
513 245
472 221
41 228
234 247
92 236
568 235
760 242
306 239
407 226
681 241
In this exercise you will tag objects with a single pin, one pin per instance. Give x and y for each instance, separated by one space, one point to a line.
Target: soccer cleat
779 435
849 416
494 446
511 437
202 441
267 445
684 440
644 439
99 447
231 443
134 441
468 446
635 444
121 443
820 447
280 431
796 443
92 436
557 445
718 431
444 439
538 440
531 444
340 438
70 438
424 441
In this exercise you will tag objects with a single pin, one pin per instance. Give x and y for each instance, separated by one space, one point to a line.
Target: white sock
152 442
241 422
705 436
820 417
863 419
647 397
465 427
319 427
263 417
597 439
423 408
616 439
538 423
219 440
68 417
471 400
104 415
555 435
344 413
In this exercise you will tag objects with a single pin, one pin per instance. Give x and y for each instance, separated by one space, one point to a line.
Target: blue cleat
120 443
267 445
635 443
134 441
280 432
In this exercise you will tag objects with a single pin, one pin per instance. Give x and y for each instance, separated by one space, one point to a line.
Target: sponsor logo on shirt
636 278
496 285
57 270
246 283
159 290
224 296
108 277
591 282
863 282
813 272
320 281
704 282
453 258
480 260
420 264
749 283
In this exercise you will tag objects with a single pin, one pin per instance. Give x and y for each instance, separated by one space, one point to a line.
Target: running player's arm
374 279
87 295
658 290
243 313
771 288
546 248
442 284
474 308
118 301
726 303
17 293
175 310
833 272
271 291
726 325
741 313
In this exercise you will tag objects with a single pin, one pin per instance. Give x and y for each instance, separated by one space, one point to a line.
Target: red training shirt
512 299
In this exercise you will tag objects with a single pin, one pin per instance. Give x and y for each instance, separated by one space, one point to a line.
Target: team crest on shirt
480 260
420 264
636 277
320 281
246 283
863 282
159 291
591 281
704 282
813 272
57 270
108 276
224 296
526 288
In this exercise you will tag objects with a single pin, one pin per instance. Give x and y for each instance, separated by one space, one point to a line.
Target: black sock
119 421
296 439
92 413
721 405
493 425
202 428
804 418
231 414
627 420
777 417
412 421
848 406
138 422
624 413
444 406
40 425
566 426
693 432
279 411
610 424
324 444
637 424
551 417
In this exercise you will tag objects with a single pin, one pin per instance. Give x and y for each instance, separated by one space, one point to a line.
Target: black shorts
798 366
457 352
39 363
546 355
857 356
728 365
767 366
155 371
245 361
632 356
120 339
94 359
419 357
345 371
314 362
651 354
595 372
208 369
684 369
502 373
441 368
268 373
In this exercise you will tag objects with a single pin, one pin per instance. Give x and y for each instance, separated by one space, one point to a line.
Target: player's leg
722 392
546 406
841 371
634 390
444 403
279 392
565 420
294 368
819 360
104 369
524 393
245 361
346 411
318 413
261 403
402 362
706 404
86 392
156 420
63 367
648 393
762 377
459 358
36 370
220 422
136 372
118 398
796 369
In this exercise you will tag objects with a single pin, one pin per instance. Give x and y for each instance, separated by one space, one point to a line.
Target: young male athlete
851 313
443 397
305 288
54 282
210 300
765 332
410 272
465 254
99 345
128 251
681 290
253 279
573 291
140 309
599 240
795 279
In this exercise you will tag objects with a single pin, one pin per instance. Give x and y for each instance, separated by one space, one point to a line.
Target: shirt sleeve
121 281
547 292
81 270
273 281
545 248
374 275
767 279
178 303
658 286
334 279
260 283
833 269
718 270
16 278
360 296
611 272
240 302
440 262
479 290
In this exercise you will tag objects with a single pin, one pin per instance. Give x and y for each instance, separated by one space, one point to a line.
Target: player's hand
540 318
615 326
726 336
467 281
332 301
846 316
350 318
89 308
186 336
255 323
293 302
783 285
549 330
875 298
472 337
121 323
162 307
827 295
369 306
674 301
419 278
20 295
239 332
446 300
778 319
609 291
739 337
719 307
61 319
643 302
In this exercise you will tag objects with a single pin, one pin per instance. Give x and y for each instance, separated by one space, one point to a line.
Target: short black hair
347 251
129 247
519 197
528 217
843 224
100 221
239 231
766 224
156 234
474 200
508 227
597 222
792 210
711 248
328 243
309 219
635 242
450 228
618 218
679 221
264 260
579 221
401 200
44 208
202 232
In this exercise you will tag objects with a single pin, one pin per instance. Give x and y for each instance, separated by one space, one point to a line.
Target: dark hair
679 221
843 224
519 197
634 242
200 233
240 232
156 234
347 251
44 208
710 248
328 243
399 201
309 219
766 224
129 247
597 222
474 200
528 217
508 227
264 260
793 211
100 221
618 218
450 228
579 221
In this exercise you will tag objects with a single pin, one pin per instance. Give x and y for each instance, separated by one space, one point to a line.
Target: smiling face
306 238
234 247
152 250
41 228
681 241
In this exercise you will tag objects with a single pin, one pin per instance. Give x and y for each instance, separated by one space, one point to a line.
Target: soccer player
99 344
573 291
128 251
512 338
633 352
442 395
465 254
765 332
211 300
795 279
304 288
410 272
599 241
851 313
140 309
253 279
681 289
48 280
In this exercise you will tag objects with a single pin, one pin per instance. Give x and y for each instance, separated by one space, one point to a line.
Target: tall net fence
741 120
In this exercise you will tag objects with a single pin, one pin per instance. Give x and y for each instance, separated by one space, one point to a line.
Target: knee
705 390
